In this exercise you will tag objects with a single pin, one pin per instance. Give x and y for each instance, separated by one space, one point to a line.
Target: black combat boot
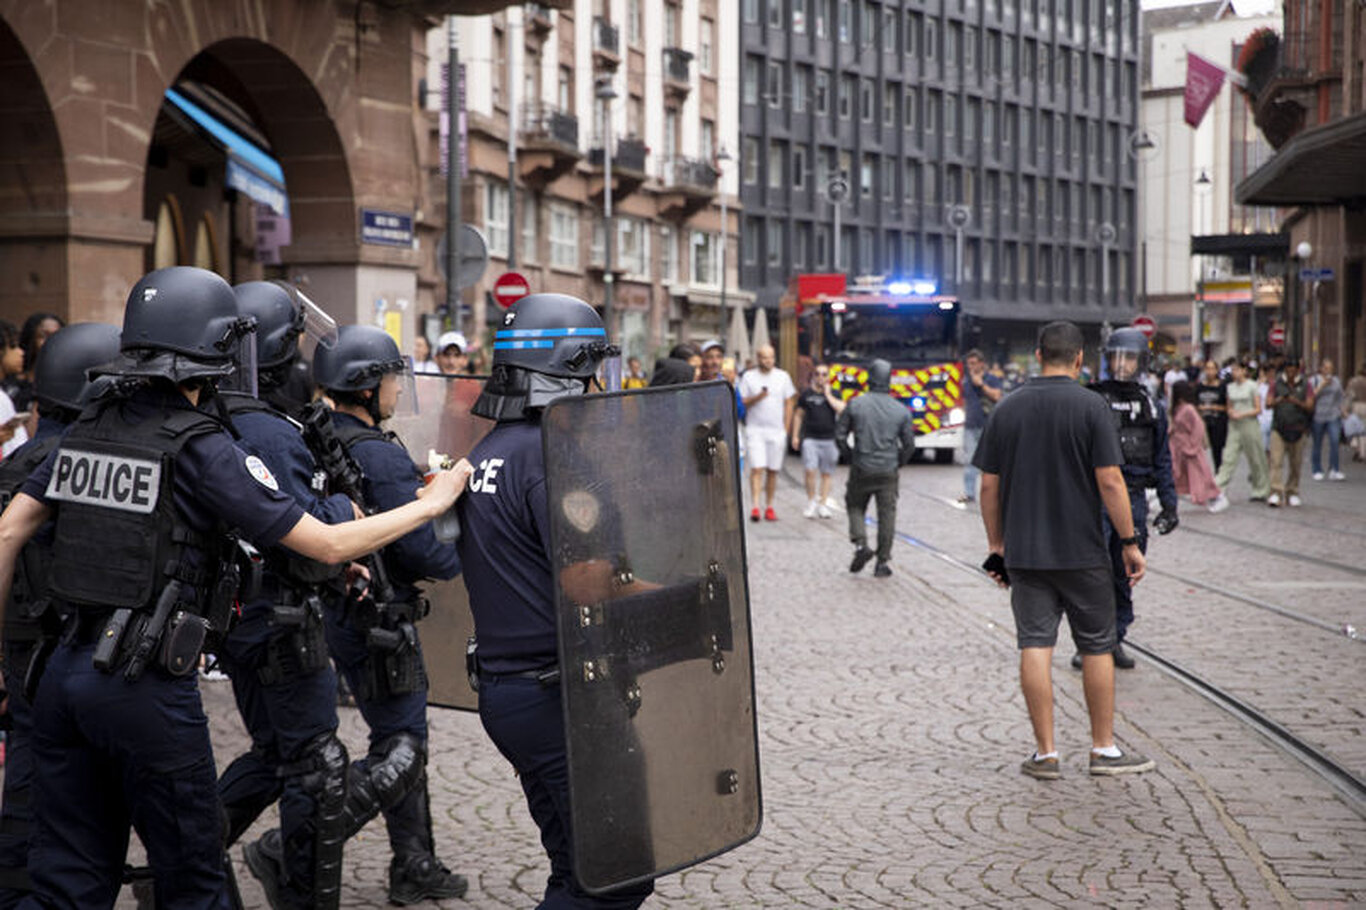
415 874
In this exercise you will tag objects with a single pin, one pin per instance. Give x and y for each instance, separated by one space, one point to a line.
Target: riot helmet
879 376
362 356
180 323
1125 355
60 381
548 346
283 313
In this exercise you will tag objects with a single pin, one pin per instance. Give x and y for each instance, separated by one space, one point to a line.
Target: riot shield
443 423
653 612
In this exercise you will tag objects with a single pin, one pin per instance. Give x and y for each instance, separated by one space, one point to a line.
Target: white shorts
764 447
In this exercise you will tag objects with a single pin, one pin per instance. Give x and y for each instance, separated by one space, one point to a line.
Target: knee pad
402 761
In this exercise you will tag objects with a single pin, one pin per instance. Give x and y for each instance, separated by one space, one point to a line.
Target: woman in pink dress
1190 465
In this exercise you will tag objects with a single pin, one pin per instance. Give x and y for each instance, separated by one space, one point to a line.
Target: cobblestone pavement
892 727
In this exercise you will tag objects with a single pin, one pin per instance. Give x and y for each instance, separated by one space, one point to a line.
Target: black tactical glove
1166 521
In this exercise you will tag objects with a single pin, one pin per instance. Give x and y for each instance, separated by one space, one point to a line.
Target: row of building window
1062 142
631 252
1014 268
912 31
811 87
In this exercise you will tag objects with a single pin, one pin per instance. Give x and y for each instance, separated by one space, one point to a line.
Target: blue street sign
386 228
1316 275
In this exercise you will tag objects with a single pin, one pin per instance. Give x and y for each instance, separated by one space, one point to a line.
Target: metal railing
547 122
676 64
629 154
690 172
606 36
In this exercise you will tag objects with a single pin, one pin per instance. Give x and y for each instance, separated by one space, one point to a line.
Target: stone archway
33 198
329 87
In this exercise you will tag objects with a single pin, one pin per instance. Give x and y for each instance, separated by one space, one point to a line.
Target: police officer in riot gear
550 345
1142 425
61 389
143 487
371 634
277 655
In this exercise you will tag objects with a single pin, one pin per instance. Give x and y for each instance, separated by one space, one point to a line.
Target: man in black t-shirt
813 434
1050 456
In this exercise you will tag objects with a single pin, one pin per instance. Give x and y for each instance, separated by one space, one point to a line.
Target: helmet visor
611 373
242 379
318 327
397 390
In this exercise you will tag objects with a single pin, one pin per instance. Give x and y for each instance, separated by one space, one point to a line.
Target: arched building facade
256 139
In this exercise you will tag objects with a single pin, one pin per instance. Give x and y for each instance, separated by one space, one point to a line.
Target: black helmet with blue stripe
547 346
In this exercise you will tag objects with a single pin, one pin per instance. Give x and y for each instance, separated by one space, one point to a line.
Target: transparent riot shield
653 612
443 423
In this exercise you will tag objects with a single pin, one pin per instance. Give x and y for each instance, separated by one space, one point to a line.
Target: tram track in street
1341 778
1343 629
1318 761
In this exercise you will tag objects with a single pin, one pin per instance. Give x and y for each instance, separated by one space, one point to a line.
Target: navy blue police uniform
111 751
27 621
550 345
511 589
392 714
284 684
1142 424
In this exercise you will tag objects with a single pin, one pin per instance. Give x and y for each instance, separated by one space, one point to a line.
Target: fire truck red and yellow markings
937 387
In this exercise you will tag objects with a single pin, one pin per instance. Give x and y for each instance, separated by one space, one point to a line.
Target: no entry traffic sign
1146 325
510 288
1276 336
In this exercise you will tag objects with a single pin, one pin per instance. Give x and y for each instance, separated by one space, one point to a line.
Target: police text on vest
101 479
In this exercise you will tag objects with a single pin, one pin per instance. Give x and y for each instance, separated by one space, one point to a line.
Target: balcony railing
691 173
676 61
549 123
629 155
606 37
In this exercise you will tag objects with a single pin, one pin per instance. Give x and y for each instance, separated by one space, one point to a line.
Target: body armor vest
119 538
29 591
1135 417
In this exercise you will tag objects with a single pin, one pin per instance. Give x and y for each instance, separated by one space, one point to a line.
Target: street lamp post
606 93
722 157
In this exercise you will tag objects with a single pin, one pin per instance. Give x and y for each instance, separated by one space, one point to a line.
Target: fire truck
822 318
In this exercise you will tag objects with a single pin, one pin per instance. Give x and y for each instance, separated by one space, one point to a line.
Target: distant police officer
32 623
142 487
277 656
1142 425
372 637
550 346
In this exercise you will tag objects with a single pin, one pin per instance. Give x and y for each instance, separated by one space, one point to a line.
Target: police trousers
385 716
1124 596
16 806
859 489
110 754
525 720
282 717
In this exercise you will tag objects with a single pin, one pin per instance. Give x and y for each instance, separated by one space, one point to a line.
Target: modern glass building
988 144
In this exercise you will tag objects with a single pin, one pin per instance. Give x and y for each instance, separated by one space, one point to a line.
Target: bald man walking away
1050 456
768 395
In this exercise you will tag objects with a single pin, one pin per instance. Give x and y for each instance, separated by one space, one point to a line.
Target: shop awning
1320 166
250 170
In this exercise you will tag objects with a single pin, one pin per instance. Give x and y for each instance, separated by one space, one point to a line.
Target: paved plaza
892 728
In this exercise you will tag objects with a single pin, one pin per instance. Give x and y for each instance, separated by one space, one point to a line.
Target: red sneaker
754 516
770 514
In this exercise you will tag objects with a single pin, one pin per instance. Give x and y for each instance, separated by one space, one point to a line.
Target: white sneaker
1318 475
1218 504
831 504
810 510
1294 500
1274 500
1336 475
824 511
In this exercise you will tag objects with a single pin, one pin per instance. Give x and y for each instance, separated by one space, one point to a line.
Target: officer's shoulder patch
257 469
582 509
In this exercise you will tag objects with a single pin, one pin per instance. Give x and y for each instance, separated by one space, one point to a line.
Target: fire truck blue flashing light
919 287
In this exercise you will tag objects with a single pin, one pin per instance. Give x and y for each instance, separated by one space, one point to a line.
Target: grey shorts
820 455
1040 597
